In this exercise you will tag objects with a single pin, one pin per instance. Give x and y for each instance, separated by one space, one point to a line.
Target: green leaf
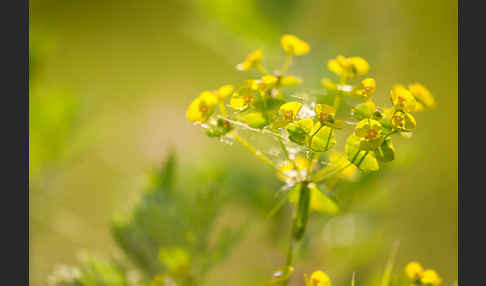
163 179
254 119
324 139
364 160
364 110
386 152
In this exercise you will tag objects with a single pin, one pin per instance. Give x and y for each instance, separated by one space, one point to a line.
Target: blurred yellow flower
348 67
414 270
318 278
269 79
290 81
403 121
294 46
422 95
251 61
202 107
240 100
225 91
367 88
402 98
430 277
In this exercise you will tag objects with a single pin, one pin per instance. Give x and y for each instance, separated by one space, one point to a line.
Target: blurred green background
111 80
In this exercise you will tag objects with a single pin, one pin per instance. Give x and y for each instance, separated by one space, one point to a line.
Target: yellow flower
328 84
290 81
294 46
325 114
318 278
202 107
225 91
348 67
403 121
251 61
269 79
414 270
241 99
369 132
402 98
422 95
368 129
289 110
430 277
367 88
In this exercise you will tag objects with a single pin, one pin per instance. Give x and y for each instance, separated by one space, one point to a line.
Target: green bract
364 160
364 110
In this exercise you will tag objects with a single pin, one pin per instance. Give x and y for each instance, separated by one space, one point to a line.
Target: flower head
349 67
403 121
417 274
224 91
202 107
414 270
367 88
318 278
430 277
422 95
402 98
369 130
241 99
294 46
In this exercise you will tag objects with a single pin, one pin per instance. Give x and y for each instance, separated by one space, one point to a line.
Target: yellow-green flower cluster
420 276
266 103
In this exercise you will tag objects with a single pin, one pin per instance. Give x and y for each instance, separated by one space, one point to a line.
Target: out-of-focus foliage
53 108
170 235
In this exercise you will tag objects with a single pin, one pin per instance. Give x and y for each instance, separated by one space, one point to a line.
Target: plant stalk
298 225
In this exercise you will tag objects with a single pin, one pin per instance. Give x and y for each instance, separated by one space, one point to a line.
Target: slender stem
286 65
337 101
323 176
261 69
298 225
252 149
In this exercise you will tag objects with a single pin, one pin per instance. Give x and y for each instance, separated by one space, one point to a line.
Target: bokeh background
110 82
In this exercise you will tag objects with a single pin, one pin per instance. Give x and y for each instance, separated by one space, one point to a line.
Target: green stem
286 65
321 176
261 69
298 225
